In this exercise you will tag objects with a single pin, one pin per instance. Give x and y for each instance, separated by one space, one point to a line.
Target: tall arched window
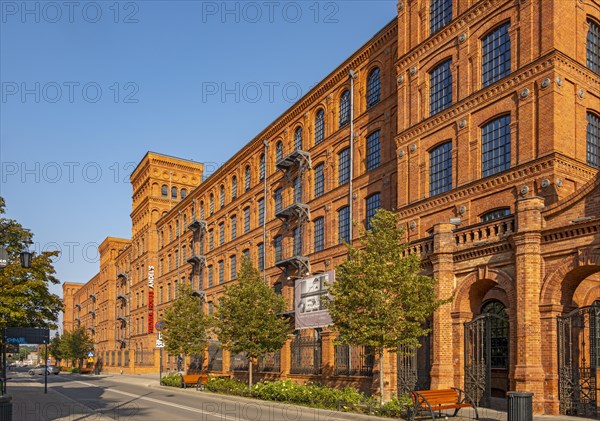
593 140
440 87
373 88
202 210
495 55
495 139
440 14
593 46
183 193
164 190
498 332
211 204
298 139
319 126
222 197
234 188
247 178
173 192
261 167
440 169
345 108
279 151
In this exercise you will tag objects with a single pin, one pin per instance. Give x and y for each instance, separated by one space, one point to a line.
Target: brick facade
537 255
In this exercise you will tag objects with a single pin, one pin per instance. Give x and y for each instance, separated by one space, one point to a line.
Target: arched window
222 197
495 55
298 139
373 151
202 210
440 88
440 169
319 126
173 192
440 14
372 204
234 188
344 166
345 108
495 139
373 88
498 332
593 140
278 151
593 46
183 193
261 167
164 190
495 214
247 178
211 204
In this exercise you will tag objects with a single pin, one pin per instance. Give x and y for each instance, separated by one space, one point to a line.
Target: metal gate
578 354
414 366
481 346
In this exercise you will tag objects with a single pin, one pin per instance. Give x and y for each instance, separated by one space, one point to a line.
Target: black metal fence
215 357
306 354
239 362
144 357
270 362
353 361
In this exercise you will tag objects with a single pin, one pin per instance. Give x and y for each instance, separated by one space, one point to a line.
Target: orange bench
197 380
441 400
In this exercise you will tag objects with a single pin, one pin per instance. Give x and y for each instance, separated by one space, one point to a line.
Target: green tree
55 348
75 345
379 299
25 300
249 317
186 326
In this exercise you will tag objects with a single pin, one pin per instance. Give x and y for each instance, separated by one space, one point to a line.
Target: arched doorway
487 354
579 360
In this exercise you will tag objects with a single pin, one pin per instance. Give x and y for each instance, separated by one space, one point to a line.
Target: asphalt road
74 397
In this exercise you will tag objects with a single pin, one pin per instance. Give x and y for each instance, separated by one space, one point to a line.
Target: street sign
160 343
91 354
91 360
159 325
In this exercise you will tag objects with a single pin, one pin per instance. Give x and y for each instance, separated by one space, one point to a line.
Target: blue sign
159 326
91 354
27 335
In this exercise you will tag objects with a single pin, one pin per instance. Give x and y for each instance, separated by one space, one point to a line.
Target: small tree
249 317
55 348
379 299
186 325
75 345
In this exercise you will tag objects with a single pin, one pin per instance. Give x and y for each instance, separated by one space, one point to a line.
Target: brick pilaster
327 353
285 362
529 373
442 369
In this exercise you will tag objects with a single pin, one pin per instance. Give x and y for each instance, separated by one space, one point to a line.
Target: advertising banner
308 293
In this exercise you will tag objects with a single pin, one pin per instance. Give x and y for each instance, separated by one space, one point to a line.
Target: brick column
285 356
550 356
442 369
458 344
327 353
226 361
529 373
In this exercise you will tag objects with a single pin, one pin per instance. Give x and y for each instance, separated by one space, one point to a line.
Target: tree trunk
381 376
249 373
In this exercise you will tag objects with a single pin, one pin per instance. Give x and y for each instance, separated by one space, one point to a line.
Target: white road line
186 408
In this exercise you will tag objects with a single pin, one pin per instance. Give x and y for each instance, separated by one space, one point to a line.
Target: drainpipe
352 75
264 221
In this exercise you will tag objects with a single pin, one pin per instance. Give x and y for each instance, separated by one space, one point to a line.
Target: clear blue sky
88 89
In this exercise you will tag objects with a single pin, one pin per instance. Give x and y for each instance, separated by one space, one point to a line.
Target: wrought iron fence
306 354
144 357
353 361
215 357
270 362
239 362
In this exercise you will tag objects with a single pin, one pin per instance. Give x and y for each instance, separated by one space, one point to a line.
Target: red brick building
478 122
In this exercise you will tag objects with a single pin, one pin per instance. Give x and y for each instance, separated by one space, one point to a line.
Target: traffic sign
91 354
91 360
160 343
159 325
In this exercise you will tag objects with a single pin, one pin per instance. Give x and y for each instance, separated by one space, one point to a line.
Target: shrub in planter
173 380
227 386
74 370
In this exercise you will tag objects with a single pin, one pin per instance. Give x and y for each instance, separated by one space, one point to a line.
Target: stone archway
477 287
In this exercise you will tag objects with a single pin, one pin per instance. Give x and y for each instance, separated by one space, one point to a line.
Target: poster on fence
308 298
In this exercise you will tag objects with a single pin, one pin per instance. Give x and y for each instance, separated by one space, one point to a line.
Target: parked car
52 369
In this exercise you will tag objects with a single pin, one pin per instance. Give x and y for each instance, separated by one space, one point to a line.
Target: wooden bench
197 380
441 400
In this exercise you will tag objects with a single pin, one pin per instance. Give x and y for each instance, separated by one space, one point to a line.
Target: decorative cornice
573 198
583 229
477 252
493 92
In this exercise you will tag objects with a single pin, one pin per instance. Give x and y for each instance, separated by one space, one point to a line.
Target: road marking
175 405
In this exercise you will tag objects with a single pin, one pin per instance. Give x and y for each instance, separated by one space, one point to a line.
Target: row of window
164 191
